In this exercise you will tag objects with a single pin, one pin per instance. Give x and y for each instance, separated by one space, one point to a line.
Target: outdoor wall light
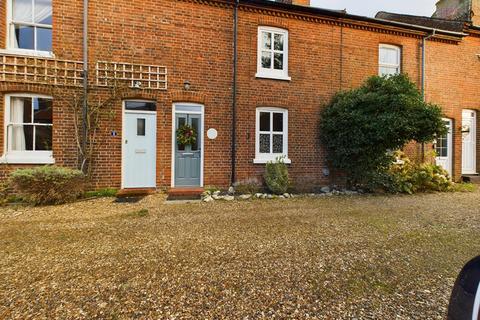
186 85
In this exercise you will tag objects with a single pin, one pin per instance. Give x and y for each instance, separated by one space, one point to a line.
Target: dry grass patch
336 257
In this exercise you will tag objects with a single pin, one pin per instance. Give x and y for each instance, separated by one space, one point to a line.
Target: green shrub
276 176
360 126
408 177
48 184
102 193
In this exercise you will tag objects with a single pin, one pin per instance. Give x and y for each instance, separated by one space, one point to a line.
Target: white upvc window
30 27
271 137
389 60
28 129
272 53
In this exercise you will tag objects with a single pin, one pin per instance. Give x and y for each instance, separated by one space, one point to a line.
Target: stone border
218 195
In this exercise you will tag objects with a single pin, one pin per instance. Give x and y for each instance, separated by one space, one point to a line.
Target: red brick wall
194 42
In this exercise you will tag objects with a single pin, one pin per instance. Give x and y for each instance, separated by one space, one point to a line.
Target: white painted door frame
469 147
446 162
193 108
124 111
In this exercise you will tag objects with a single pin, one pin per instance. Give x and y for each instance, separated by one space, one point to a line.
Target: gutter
318 12
424 50
85 82
234 92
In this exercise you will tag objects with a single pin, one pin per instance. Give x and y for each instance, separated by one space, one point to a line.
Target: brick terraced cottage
251 76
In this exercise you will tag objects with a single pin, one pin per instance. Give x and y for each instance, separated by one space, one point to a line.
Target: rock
325 189
264 195
258 195
281 197
350 192
286 195
231 190
229 198
208 199
245 196
217 197
217 193
269 196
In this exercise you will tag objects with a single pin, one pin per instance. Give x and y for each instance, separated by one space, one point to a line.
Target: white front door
444 149
139 145
469 141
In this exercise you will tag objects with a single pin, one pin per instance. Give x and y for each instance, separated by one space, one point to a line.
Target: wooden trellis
40 70
139 76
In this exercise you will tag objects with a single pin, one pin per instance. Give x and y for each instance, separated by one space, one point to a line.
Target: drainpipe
234 92
424 50
85 80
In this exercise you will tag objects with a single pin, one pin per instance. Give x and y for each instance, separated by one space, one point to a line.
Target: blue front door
188 158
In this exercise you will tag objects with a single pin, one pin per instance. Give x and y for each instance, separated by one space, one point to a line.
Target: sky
371 7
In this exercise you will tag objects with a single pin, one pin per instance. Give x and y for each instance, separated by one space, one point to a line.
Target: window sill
264 161
262 75
26 159
28 53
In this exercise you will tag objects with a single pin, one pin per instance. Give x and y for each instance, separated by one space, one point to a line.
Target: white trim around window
272 53
38 20
271 135
19 156
389 59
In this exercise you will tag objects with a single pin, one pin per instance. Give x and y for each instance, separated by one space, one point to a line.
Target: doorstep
472 178
190 193
135 192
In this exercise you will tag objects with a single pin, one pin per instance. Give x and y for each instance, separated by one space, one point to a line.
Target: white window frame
22 157
266 157
381 64
11 37
271 73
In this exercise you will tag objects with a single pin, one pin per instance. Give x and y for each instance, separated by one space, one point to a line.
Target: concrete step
185 193
472 178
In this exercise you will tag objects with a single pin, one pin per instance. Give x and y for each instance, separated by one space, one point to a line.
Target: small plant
48 184
139 213
276 176
102 193
248 186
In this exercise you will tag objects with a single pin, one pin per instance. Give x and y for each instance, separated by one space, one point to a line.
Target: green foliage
102 193
276 176
464 187
186 135
408 177
48 184
360 126
138 214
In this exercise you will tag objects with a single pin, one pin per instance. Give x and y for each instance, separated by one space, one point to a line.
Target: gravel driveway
365 257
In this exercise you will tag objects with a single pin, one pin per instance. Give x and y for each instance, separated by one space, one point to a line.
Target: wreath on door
186 135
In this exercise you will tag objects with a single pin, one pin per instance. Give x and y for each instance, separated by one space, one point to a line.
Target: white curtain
23 11
43 11
16 116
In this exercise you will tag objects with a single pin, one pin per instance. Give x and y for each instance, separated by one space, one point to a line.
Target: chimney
461 10
305 3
